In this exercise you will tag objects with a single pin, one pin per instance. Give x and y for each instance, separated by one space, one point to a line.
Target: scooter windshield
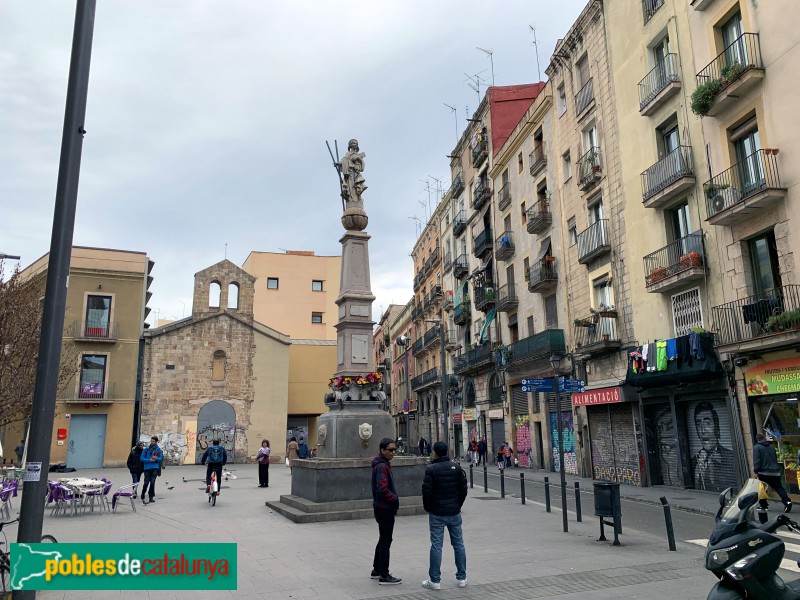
733 513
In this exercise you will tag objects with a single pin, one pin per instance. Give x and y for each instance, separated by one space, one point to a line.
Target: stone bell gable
235 289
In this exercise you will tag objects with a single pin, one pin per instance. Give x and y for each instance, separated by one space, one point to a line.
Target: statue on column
351 167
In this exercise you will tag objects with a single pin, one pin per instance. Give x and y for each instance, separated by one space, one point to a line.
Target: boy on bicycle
216 457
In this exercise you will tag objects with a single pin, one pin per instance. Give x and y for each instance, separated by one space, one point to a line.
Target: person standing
765 465
482 451
151 462
292 452
134 463
20 451
263 464
302 448
385 504
422 445
444 490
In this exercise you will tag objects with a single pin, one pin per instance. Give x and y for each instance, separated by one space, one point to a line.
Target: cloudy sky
207 122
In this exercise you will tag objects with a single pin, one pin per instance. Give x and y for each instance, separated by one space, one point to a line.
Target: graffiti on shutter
570 459
615 444
709 432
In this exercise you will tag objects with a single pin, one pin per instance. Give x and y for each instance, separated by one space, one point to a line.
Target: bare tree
20 329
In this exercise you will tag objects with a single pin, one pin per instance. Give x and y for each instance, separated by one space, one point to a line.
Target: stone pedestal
342 428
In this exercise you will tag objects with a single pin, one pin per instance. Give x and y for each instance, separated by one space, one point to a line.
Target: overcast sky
207 122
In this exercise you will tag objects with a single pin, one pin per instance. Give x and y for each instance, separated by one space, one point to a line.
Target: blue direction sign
537 382
572 385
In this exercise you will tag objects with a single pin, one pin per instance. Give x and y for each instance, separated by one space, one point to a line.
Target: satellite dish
718 203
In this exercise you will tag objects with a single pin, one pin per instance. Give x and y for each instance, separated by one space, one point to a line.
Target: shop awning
544 249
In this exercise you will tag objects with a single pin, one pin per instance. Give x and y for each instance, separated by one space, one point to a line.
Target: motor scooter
746 555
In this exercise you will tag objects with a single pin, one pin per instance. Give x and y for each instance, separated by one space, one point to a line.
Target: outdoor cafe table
83 485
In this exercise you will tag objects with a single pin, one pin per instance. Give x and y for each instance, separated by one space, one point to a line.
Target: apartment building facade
402 334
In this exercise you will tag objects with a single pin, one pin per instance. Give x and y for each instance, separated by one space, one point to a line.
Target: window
316 317
561 99
750 167
519 163
316 285
668 137
218 366
764 262
93 376
573 231
272 283
582 69
679 224
526 266
531 330
595 211
524 214
590 138
213 294
566 165
233 295
98 316
602 292
735 50
686 311
551 312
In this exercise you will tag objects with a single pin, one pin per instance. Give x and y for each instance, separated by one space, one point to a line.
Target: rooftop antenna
536 46
455 116
439 186
488 52
226 249
475 83
417 223
422 203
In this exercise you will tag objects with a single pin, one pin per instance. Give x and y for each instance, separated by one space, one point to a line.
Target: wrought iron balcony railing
504 196
741 55
589 168
448 261
496 395
481 193
755 174
434 257
459 222
482 243
544 276
97 330
650 7
431 336
458 185
665 72
416 348
480 152
675 258
460 266
539 216
584 97
775 311
538 346
505 246
596 335
537 158
674 166
507 298
593 241
462 313
474 360
484 297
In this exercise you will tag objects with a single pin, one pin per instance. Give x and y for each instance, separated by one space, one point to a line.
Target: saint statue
351 167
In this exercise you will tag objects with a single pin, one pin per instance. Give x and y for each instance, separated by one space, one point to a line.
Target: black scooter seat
794 585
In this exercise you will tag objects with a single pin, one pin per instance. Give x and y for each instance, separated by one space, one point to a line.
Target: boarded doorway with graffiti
217 419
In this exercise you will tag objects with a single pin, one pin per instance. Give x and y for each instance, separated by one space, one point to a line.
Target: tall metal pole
445 403
560 426
407 394
55 298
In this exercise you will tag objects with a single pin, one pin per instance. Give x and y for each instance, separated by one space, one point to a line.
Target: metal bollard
471 479
668 522
485 481
578 500
547 494
522 487
502 483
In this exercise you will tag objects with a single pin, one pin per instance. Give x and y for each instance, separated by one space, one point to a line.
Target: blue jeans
437 525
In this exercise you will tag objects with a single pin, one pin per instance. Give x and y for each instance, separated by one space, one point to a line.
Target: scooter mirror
723 497
748 500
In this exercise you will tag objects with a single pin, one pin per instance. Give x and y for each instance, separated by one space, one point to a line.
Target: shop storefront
615 434
772 390
567 432
458 439
497 428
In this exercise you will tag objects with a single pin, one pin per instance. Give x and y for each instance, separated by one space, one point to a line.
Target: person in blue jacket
152 457
217 457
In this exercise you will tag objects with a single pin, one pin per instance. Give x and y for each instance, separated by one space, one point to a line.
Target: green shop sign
776 377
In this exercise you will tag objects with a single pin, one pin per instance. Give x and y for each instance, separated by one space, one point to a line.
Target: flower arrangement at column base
356 387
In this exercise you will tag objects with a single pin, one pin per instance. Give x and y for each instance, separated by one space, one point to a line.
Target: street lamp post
556 361
4 256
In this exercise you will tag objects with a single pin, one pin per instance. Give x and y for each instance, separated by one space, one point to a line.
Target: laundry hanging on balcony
485 329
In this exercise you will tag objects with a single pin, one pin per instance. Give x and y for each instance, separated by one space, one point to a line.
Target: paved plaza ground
513 551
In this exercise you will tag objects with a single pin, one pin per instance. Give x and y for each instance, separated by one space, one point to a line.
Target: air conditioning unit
718 203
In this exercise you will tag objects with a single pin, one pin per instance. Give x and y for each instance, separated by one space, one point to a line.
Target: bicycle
213 490
5 558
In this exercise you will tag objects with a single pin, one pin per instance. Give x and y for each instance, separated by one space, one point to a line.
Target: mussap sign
776 377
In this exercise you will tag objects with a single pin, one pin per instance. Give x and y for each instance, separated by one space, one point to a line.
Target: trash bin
606 499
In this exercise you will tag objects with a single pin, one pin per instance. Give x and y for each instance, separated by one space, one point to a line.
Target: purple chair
64 497
5 502
126 491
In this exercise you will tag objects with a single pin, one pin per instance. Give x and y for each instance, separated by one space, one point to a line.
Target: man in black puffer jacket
444 490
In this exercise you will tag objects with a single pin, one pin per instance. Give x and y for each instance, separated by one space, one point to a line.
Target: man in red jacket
385 503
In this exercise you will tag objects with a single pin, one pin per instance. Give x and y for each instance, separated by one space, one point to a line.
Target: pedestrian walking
444 490
473 451
151 458
482 451
385 503
263 464
302 448
20 451
134 462
292 452
423 444
765 465
507 454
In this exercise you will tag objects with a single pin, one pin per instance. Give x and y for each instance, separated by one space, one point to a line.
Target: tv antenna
439 186
536 46
475 83
489 53
455 116
417 222
422 202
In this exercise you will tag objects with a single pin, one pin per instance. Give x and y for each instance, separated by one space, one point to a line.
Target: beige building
107 296
404 402
216 374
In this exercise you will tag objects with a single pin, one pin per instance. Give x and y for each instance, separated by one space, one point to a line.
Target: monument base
340 430
341 489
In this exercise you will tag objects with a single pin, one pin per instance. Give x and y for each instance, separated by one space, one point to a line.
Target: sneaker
788 508
431 585
152 499
374 574
461 582
390 580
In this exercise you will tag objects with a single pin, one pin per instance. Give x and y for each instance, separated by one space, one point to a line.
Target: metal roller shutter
566 402
519 400
615 450
498 436
710 434
603 467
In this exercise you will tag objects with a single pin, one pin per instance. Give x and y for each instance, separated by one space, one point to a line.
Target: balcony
474 360
458 185
593 242
589 169
485 297
460 266
95 331
676 264
543 278
741 192
431 336
537 158
459 222
760 322
732 74
539 216
448 301
482 244
448 262
102 391
435 295
649 8
507 298
596 335
504 197
539 346
659 85
428 379
451 340
700 4
417 347
584 99
462 313
481 193
434 259
418 279
505 246
669 179
480 152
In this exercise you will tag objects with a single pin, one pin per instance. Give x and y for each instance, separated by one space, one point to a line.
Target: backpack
215 454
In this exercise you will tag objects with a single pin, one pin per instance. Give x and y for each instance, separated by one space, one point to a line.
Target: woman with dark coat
263 464
135 465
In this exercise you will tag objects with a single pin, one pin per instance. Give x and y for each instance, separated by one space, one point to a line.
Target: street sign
537 382
572 385
547 386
